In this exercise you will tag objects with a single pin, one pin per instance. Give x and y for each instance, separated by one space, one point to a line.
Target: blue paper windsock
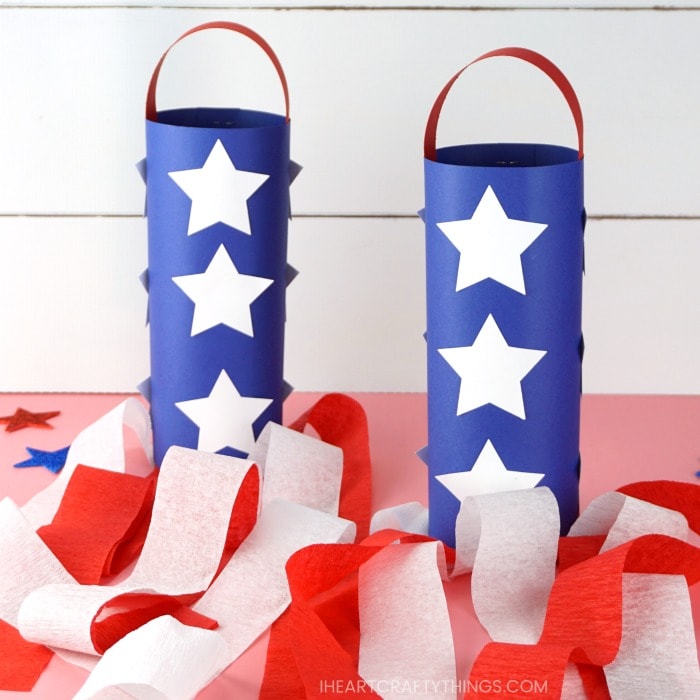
504 263
218 205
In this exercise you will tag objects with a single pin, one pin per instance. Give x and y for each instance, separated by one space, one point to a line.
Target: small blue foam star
53 461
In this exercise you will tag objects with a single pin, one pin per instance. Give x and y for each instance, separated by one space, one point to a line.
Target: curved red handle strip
151 112
536 59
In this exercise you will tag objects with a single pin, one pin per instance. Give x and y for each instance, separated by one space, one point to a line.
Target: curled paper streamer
101 445
205 507
658 653
493 544
29 564
242 614
90 619
290 461
174 661
22 661
26 563
340 420
621 518
319 641
190 514
509 541
405 649
672 495
408 517
235 598
110 532
592 615
368 619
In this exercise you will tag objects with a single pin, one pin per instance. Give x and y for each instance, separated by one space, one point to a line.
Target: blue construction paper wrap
539 321
186 365
217 201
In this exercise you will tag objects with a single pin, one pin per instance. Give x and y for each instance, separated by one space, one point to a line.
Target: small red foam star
25 419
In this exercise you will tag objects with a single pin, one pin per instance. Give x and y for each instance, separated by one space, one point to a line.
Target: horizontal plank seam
590 217
366 8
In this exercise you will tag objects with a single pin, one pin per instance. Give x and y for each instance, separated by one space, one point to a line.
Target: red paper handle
151 112
536 59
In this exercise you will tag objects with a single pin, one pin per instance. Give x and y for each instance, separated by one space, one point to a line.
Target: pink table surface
623 439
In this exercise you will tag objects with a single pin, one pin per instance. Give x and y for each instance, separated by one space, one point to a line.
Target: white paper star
490 244
491 371
218 191
221 294
224 418
488 475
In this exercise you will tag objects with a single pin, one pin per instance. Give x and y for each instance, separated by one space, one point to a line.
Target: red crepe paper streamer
101 523
584 615
333 620
594 682
573 550
314 646
100 528
676 495
320 631
127 612
341 421
322 581
584 619
21 662
243 516
103 518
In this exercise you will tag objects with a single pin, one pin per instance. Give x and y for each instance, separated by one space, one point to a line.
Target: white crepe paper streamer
26 563
162 660
249 594
252 591
407 517
99 445
510 540
406 645
572 688
291 461
61 615
194 499
623 518
658 653
195 496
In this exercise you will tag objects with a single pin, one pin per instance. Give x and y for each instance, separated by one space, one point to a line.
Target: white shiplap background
73 78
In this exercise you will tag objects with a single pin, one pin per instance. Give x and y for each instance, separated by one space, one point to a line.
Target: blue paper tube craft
504 267
217 183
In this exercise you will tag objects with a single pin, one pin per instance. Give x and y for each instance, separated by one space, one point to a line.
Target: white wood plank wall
73 78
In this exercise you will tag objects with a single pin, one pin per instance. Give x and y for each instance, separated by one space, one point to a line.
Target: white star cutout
488 475
218 191
221 294
224 418
490 244
490 371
